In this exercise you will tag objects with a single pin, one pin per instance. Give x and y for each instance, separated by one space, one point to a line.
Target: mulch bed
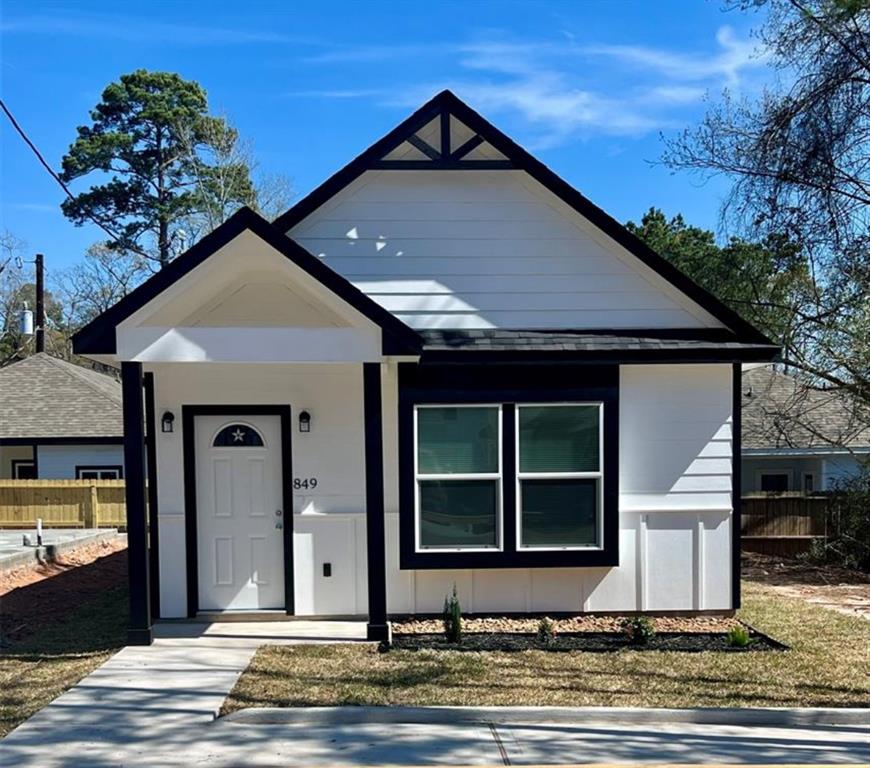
594 642
566 624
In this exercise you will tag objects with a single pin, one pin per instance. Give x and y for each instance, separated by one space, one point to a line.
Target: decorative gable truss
444 143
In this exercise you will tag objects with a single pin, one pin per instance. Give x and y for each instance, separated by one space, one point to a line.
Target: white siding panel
390 228
332 452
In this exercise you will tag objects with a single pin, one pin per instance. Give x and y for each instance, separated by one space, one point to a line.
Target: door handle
279 526
279 512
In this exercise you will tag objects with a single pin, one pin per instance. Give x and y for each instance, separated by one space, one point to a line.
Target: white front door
239 513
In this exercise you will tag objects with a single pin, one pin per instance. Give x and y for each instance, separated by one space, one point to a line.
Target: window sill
494 559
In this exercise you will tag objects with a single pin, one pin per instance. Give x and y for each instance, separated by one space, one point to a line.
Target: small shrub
452 618
546 631
738 637
638 629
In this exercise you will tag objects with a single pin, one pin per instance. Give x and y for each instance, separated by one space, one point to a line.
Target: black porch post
375 545
139 630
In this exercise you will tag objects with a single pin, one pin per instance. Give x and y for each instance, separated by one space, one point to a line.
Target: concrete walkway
155 706
13 553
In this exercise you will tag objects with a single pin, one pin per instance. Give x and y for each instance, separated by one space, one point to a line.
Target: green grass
828 665
38 668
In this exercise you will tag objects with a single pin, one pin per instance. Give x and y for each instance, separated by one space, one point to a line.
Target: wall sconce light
304 421
167 421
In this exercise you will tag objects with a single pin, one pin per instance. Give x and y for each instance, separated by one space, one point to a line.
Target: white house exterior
444 366
59 421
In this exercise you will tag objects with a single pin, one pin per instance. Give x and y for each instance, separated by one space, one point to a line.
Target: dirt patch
573 624
37 594
839 589
85 554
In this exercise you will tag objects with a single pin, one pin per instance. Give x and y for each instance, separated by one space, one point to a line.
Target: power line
51 172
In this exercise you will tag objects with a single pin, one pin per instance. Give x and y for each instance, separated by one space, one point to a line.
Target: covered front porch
253 388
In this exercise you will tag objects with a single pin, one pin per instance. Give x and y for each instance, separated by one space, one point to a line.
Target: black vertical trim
287 508
510 511
188 414
445 135
36 460
190 543
153 524
736 479
375 533
139 631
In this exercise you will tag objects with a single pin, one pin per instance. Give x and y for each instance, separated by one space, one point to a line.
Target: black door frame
188 415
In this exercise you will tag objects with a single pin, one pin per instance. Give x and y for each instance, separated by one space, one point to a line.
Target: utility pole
40 304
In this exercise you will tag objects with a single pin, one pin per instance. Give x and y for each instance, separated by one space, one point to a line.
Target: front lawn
56 631
829 665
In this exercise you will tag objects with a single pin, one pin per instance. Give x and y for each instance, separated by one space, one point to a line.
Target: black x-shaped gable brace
443 157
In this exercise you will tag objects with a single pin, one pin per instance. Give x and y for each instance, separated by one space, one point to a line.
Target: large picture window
559 476
458 477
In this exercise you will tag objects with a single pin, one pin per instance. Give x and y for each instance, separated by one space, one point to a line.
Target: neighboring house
799 438
443 366
59 421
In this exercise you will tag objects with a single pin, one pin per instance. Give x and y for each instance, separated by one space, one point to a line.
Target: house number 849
304 482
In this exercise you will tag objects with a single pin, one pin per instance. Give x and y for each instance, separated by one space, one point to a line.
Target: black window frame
16 464
509 385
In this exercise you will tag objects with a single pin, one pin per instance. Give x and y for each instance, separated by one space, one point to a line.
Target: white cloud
563 89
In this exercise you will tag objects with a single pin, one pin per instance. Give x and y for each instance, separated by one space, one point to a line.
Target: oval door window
238 436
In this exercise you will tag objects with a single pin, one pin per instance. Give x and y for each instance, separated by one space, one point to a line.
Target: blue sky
586 86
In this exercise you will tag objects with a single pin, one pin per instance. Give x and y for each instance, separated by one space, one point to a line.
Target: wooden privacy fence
784 523
63 503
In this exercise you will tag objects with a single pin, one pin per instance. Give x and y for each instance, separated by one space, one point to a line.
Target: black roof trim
446 101
670 345
98 336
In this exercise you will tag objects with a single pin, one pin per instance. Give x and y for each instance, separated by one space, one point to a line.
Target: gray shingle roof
42 396
498 340
781 411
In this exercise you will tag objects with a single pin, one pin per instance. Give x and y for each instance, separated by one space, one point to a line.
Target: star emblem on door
238 435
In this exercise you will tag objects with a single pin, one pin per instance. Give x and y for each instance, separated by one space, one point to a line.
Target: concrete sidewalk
155 706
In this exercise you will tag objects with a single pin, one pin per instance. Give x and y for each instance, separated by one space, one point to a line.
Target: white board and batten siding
674 514
488 249
674 518
328 522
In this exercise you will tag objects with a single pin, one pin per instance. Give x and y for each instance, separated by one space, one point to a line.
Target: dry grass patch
829 665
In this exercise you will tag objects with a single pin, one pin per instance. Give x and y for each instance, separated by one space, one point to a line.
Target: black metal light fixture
304 421
167 421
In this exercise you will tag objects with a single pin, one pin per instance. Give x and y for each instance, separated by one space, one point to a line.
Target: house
59 421
443 366
797 437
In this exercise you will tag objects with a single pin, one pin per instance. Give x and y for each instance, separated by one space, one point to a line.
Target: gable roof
511 156
98 336
780 412
44 397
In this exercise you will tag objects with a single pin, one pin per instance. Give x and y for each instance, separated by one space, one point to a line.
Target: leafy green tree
763 282
152 146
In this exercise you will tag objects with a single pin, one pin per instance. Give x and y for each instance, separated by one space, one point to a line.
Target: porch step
276 615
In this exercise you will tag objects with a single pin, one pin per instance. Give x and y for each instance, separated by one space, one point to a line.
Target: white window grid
497 476
599 475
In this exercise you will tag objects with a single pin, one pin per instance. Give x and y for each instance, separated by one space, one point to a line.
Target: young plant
638 629
452 618
546 631
738 637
